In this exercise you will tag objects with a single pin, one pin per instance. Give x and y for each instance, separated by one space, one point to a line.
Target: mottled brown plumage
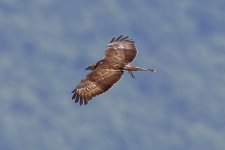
119 53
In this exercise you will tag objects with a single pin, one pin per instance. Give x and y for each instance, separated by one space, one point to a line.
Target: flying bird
119 54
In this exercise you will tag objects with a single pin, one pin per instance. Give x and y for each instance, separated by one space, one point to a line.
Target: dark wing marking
95 83
121 49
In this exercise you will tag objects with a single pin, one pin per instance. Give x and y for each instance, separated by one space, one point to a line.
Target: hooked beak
91 67
88 68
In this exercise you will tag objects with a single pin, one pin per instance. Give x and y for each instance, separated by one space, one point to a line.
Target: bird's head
91 67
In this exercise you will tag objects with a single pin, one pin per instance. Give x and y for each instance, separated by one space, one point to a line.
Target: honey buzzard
119 53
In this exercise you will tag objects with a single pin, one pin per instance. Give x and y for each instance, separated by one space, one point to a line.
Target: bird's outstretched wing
95 83
121 49
119 52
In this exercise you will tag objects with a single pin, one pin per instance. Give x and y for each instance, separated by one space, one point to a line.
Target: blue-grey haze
46 44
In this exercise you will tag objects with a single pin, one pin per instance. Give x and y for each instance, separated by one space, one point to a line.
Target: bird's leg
131 73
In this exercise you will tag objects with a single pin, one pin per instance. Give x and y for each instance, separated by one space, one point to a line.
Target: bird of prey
119 53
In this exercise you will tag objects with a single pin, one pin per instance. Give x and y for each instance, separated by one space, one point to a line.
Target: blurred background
45 46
